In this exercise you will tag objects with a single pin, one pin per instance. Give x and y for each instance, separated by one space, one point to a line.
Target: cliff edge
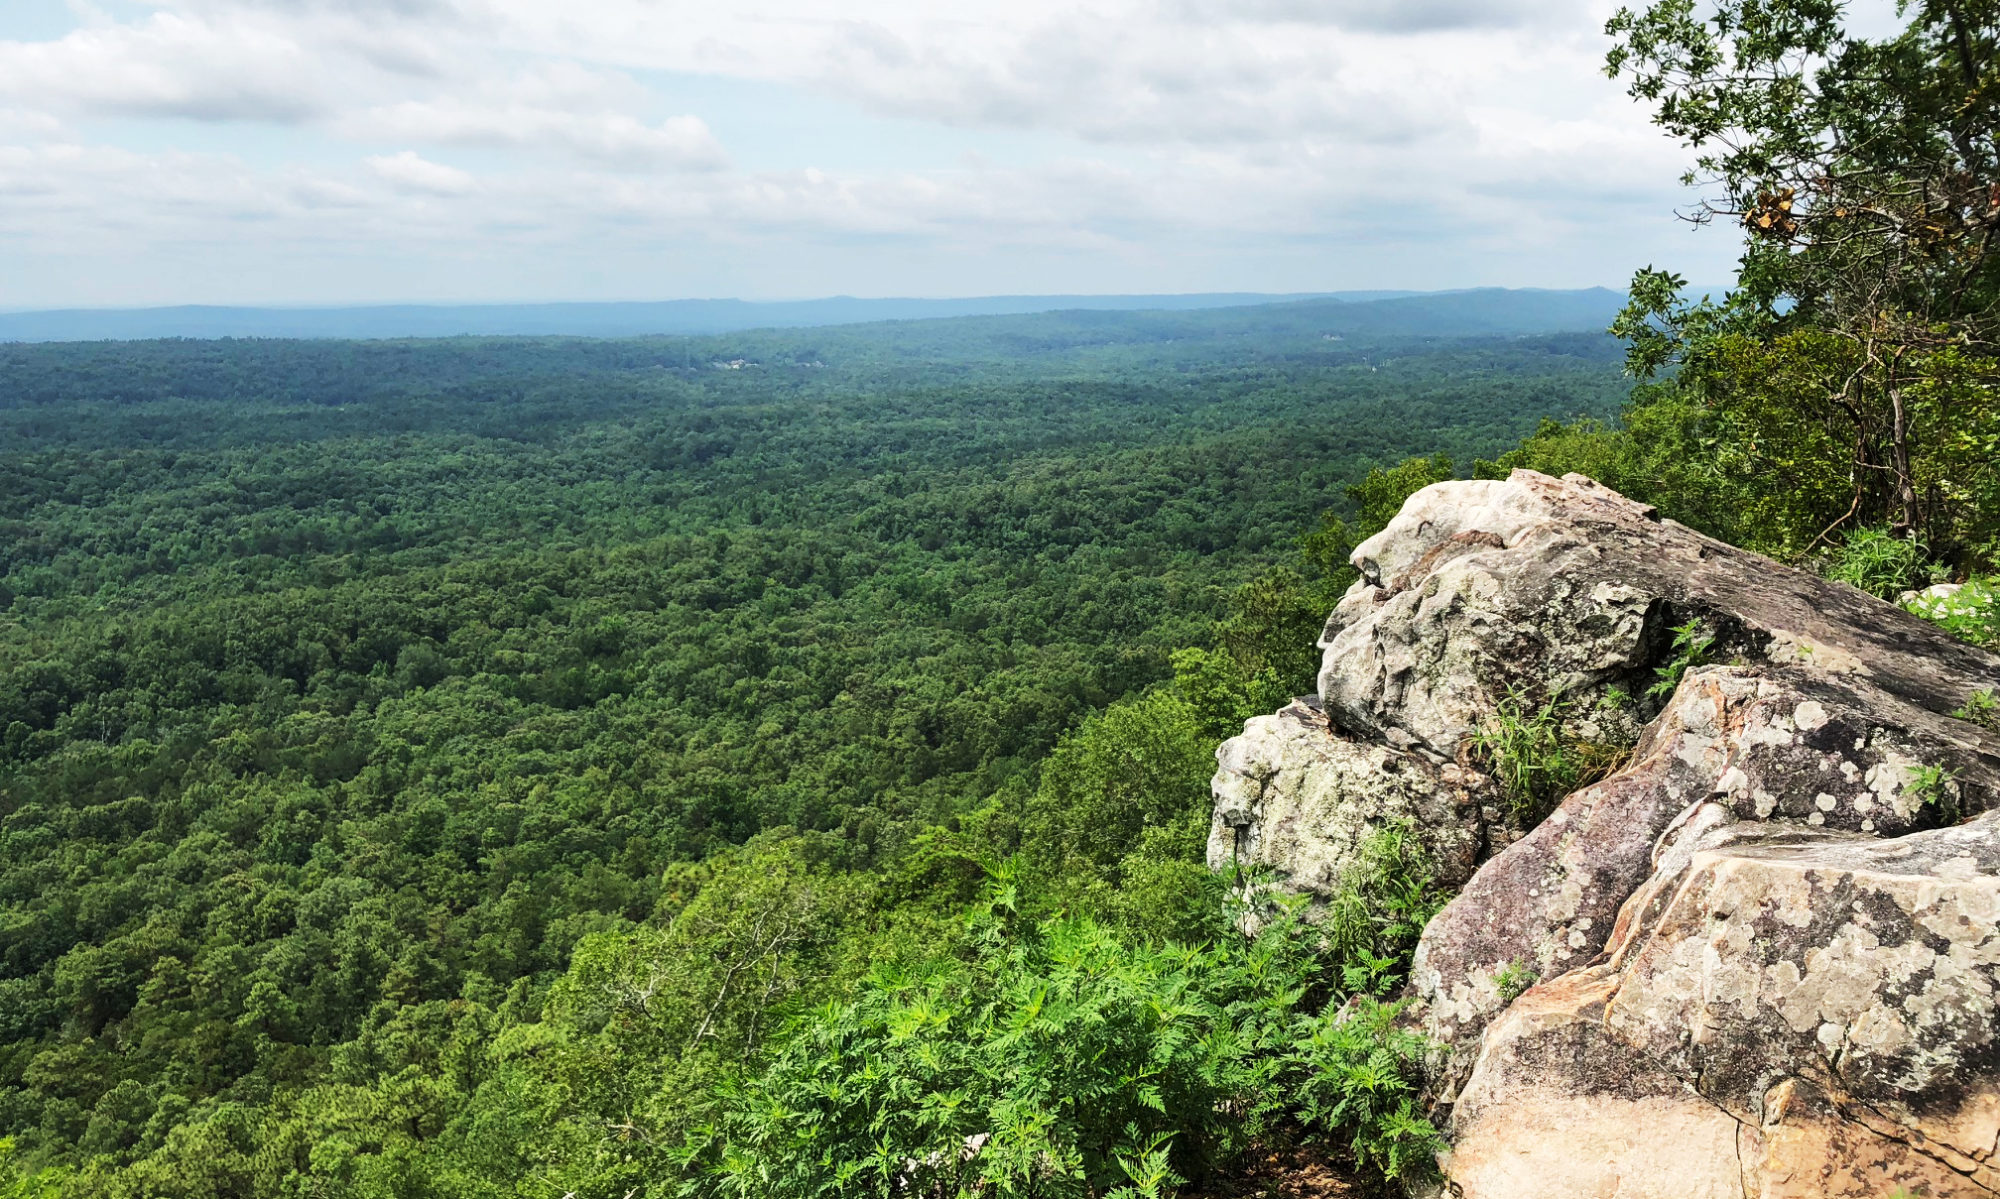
1764 951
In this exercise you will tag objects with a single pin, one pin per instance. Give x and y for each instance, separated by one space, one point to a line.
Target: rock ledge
1768 948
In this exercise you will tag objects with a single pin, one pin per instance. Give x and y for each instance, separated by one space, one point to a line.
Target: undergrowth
1972 613
1880 563
1529 748
1514 980
1061 1059
1933 787
1691 646
1379 909
1981 707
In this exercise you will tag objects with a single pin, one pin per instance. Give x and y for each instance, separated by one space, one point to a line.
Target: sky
367 151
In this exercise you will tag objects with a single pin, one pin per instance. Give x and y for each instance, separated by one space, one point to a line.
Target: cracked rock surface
1766 950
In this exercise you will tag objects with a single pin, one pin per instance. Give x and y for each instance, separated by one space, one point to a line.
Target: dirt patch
1288 1171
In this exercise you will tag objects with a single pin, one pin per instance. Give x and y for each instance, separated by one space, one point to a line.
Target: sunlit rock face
1293 794
1763 953
1802 1012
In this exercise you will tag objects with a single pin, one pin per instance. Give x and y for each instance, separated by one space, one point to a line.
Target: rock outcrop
1781 1012
1295 795
1766 950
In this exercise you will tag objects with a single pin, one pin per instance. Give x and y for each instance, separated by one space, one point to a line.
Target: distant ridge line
625 318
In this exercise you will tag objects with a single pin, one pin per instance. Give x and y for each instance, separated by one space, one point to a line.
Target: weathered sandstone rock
1734 744
1765 953
1293 795
1561 586
1790 1012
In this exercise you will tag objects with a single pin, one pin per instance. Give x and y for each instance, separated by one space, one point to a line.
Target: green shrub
1379 909
43 1184
1981 707
1880 563
1062 1059
1357 1072
1970 614
1141 763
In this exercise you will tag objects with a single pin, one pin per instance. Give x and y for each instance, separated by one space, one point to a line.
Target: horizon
815 298
709 317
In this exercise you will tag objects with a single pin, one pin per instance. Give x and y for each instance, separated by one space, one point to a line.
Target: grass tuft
1530 750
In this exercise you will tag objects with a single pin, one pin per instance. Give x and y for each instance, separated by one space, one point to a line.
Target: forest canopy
456 767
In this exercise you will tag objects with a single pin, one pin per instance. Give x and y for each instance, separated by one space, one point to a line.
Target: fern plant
1379 908
1356 1071
1061 1060
1690 649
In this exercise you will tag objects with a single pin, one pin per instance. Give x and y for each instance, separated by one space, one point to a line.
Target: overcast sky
342 151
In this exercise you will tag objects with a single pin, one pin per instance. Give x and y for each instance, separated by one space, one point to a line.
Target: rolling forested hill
628 319
362 703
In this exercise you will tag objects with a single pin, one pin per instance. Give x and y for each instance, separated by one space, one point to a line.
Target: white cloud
1191 144
166 65
680 143
1390 16
1134 71
19 125
562 107
411 173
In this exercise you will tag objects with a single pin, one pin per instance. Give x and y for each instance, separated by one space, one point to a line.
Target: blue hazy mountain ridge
1505 311
1307 335
584 319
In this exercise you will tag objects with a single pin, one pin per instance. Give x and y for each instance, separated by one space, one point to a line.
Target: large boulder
1735 744
1757 960
1785 1012
1293 795
1560 586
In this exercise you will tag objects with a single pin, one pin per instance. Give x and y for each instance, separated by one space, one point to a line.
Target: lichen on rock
1765 949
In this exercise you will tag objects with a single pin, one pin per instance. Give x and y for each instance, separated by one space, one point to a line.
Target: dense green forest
450 767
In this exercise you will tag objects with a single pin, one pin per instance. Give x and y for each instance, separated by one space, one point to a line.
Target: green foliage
425 766
1972 613
1060 1058
1514 980
43 1184
1140 764
1846 381
1057 1062
1690 649
1530 748
1274 622
1356 1071
734 940
1587 447
1880 563
1374 916
1981 707
1935 787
